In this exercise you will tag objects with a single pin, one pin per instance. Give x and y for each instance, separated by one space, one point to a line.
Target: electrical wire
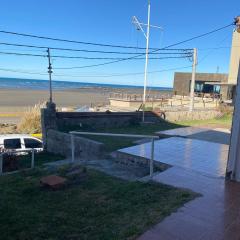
139 55
107 45
22 71
89 51
23 54
90 58
71 41
95 76
117 58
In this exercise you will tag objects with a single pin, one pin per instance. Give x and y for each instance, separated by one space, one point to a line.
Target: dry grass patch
31 120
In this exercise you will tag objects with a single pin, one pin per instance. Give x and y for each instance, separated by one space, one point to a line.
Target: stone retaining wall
132 160
102 119
174 116
60 143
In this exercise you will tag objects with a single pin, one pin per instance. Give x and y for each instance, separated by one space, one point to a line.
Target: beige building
223 85
235 58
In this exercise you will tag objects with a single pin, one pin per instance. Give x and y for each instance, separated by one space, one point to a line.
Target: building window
216 89
198 87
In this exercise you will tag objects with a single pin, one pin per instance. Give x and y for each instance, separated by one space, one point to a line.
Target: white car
20 142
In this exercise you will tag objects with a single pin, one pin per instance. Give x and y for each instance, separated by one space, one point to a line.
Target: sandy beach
13 102
22 98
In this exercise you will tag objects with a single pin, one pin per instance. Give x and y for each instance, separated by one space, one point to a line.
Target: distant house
213 83
206 83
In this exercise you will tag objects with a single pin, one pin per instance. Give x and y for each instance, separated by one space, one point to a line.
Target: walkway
214 216
217 135
199 166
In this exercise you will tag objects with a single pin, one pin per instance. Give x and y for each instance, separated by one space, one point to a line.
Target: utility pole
191 106
146 35
146 61
50 74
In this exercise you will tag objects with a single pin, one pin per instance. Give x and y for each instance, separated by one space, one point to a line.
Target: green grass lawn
24 161
41 158
101 207
224 121
115 143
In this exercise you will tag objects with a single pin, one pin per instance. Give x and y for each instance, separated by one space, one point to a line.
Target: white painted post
33 159
1 163
152 158
73 147
193 80
233 166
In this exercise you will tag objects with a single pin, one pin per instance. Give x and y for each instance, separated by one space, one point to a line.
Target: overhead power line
22 71
117 58
91 51
23 54
71 41
199 36
139 55
123 74
93 76
89 58
109 45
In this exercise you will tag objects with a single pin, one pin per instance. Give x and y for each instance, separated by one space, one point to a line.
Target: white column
233 166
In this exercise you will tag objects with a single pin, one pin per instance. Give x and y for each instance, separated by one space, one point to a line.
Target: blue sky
109 21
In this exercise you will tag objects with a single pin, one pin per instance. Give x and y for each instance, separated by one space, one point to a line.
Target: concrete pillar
48 121
233 166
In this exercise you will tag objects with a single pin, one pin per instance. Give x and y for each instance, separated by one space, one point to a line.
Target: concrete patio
200 166
217 135
214 216
207 158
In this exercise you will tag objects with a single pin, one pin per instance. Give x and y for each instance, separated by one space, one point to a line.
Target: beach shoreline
23 98
14 102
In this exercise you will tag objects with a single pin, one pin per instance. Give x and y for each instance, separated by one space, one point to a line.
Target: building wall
182 80
235 58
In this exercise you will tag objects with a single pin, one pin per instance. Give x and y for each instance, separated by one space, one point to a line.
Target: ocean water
19 83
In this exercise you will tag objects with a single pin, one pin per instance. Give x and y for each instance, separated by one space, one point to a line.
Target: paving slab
213 216
201 156
182 132
216 135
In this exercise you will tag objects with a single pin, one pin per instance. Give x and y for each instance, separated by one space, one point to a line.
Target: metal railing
152 137
15 152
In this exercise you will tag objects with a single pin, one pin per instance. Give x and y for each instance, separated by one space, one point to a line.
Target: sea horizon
40 84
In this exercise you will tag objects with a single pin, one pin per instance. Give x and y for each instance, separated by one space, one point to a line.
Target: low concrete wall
132 160
102 119
134 103
174 116
60 143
